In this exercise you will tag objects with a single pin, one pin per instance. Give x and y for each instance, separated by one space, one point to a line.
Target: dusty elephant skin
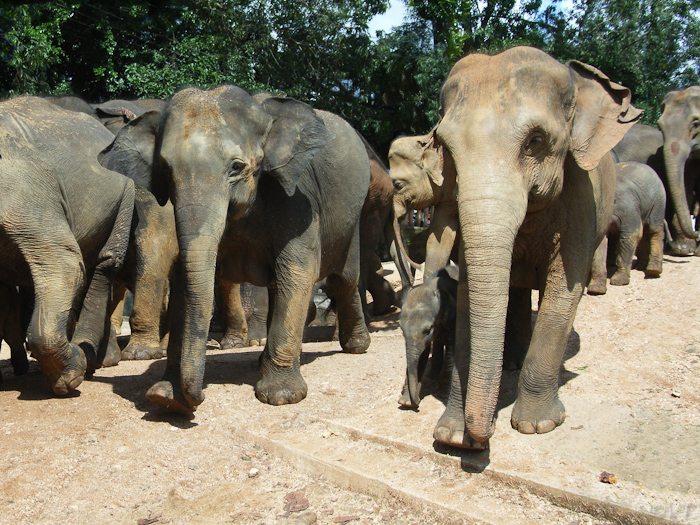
71 247
638 215
536 188
272 190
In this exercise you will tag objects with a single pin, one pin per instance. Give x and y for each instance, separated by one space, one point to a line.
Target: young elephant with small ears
530 141
266 190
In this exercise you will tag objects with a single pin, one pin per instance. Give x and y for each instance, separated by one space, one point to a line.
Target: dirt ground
348 454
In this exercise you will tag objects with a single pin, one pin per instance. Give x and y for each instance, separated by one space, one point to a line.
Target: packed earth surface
348 454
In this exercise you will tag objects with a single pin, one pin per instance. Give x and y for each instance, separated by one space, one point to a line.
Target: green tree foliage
649 46
320 51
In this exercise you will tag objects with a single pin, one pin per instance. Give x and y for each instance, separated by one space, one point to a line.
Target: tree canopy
321 52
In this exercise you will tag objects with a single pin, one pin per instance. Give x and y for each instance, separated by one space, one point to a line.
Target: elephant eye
426 331
534 143
235 169
398 185
695 125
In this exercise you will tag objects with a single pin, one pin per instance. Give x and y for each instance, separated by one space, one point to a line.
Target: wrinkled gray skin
65 224
11 328
647 145
638 213
427 320
273 190
530 142
153 245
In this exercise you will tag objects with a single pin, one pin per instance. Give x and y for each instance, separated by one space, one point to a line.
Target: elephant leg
383 294
352 331
538 408
518 327
629 238
282 382
598 284
259 316
58 275
146 319
12 329
656 252
167 393
236 332
116 306
93 322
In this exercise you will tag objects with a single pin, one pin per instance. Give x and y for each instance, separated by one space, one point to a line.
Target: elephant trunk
413 358
492 206
198 235
675 156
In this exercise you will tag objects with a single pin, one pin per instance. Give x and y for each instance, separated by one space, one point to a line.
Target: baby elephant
428 316
638 214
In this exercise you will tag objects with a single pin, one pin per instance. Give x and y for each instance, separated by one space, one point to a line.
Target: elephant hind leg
352 330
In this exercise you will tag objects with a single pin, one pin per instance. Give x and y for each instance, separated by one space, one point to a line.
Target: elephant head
416 170
215 149
515 125
680 124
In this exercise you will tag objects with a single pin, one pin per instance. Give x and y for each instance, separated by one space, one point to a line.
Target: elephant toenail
545 426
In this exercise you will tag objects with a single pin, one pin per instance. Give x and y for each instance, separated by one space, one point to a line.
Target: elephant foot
68 376
20 362
232 341
654 268
164 395
621 278
356 344
136 351
257 342
452 431
280 385
536 419
597 287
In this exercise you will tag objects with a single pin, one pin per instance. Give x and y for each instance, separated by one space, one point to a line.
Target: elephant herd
531 168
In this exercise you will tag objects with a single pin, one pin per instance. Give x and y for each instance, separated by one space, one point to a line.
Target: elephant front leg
352 331
282 382
625 254
538 408
656 252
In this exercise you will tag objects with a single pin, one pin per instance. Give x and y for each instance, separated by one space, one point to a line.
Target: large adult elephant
529 139
680 124
64 230
273 190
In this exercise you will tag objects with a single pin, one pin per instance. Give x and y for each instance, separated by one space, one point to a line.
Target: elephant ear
131 152
295 137
431 158
603 114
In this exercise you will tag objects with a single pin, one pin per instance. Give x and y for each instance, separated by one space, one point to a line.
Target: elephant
11 328
427 320
376 220
646 144
638 213
416 170
64 223
153 247
529 143
115 114
72 103
268 191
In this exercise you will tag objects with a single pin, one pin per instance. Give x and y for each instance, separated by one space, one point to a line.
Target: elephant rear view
269 191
